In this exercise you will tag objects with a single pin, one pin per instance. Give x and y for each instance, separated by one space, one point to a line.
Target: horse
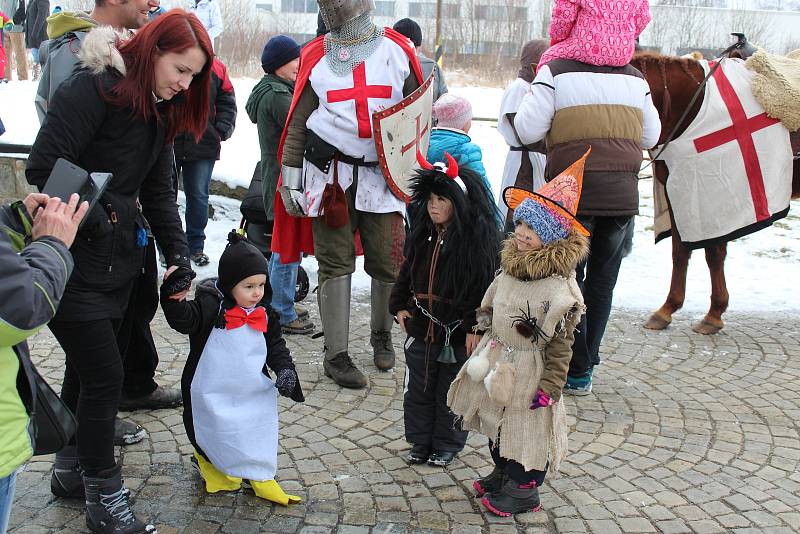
673 84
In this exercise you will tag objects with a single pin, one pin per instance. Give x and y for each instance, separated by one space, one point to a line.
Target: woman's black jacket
84 129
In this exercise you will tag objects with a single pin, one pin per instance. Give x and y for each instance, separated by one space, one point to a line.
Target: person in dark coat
411 29
453 254
119 114
196 159
268 106
36 29
229 397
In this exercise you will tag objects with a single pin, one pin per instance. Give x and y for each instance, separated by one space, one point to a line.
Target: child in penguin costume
230 403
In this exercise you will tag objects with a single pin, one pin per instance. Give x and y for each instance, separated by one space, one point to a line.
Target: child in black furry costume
452 255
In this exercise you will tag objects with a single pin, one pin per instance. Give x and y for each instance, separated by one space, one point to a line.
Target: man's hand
472 342
401 317
33 201
58 219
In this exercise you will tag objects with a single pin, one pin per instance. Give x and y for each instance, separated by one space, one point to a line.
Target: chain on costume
352 44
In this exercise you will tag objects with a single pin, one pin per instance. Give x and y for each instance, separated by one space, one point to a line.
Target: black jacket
83 128
221 120
413 279
36 23
197 317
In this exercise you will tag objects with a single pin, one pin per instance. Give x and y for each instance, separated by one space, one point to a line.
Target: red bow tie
236 317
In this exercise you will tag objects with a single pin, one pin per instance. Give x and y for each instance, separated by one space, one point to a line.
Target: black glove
180 280
286 381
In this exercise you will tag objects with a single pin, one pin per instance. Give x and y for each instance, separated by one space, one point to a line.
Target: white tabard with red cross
344 119
730 173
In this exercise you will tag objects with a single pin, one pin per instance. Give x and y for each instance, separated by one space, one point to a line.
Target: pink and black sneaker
513 498
491 482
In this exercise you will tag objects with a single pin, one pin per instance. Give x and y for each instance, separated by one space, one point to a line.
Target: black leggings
515 470
92 386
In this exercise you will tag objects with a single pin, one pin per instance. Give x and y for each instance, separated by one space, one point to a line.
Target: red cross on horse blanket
730 172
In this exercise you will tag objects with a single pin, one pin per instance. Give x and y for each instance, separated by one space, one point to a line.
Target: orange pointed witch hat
561 194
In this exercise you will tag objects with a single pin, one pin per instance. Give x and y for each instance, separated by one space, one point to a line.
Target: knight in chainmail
330 173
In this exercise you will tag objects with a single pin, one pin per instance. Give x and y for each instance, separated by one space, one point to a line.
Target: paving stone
659 446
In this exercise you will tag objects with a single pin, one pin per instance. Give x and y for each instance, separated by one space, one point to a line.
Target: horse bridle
671 137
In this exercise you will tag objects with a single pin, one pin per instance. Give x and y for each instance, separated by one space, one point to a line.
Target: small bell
446 355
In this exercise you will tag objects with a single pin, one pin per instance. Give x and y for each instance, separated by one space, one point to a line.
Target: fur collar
99 50
559 257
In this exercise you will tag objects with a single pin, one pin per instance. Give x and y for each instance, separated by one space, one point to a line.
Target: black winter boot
382 350
67 478
513 498
491 482
107 508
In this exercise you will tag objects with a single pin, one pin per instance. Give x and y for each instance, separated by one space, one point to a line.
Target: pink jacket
598 32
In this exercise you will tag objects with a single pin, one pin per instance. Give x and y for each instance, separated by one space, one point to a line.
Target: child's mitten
286 381
180 280
541 400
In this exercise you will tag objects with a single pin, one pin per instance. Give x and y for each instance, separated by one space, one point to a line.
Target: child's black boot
513 498
491 482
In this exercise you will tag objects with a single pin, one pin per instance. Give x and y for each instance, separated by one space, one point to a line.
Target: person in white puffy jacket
209 14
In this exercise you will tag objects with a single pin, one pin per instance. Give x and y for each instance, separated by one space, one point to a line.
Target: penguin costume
230 404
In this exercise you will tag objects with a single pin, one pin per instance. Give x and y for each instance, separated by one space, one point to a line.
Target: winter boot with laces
381 325
67 478
513 498
107 508
491 482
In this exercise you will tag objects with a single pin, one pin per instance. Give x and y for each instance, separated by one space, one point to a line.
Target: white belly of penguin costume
235 405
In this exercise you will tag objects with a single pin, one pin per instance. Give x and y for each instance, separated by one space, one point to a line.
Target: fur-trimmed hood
559 257
99 50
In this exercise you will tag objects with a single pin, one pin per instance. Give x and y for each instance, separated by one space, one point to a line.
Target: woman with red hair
118 114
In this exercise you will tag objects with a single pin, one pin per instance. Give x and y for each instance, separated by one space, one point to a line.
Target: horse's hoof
657 322
707 327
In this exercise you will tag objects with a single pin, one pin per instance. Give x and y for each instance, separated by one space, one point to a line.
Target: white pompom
478 366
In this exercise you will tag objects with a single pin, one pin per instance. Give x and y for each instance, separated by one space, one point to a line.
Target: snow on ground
761 269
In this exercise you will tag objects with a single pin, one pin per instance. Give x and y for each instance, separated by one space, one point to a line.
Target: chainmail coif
351 44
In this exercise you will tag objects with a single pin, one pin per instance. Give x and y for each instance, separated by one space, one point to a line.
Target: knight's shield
400 131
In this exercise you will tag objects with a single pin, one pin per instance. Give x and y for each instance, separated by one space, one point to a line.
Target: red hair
173 32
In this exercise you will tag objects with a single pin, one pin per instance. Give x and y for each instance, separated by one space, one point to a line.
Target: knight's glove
286 381
179 280
292 191
541 400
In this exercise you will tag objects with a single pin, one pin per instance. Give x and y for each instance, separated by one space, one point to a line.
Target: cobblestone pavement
684 433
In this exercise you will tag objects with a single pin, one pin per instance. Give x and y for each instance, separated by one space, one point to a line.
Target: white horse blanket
730 172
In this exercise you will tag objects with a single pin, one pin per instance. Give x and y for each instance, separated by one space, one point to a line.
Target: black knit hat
410 29
239 260
279 51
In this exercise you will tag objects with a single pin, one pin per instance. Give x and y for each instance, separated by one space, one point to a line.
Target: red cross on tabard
741 131
361 93
417 139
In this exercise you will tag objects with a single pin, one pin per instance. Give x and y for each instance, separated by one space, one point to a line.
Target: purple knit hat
452 111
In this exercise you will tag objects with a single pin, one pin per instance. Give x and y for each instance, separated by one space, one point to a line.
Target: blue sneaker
579 387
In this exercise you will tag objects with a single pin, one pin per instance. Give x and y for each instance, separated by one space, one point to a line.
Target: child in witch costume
510 389
451 259
230 404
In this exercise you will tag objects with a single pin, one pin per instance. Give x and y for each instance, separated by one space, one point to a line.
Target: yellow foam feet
271 491
215 479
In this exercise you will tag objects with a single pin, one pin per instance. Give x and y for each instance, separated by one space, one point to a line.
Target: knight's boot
67 478
380 324
334 309
107 508
271 491
215 479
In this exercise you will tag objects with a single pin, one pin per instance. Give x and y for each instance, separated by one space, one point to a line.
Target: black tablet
67 178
